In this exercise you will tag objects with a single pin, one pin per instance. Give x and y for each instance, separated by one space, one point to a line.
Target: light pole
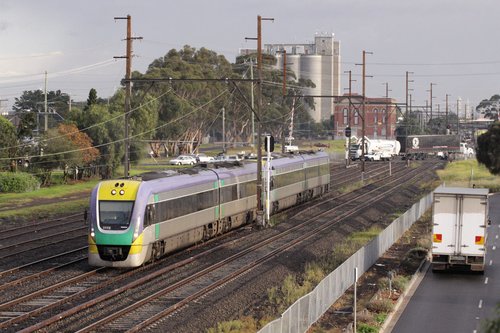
446 112
430 107
406 103
430 100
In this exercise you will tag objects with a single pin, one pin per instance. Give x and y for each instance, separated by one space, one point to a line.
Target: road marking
480 303
491 262
496 237
486 281
494 247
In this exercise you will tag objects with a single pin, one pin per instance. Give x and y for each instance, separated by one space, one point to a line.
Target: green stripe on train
114 239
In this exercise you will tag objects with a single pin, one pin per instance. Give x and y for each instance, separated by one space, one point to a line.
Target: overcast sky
452 43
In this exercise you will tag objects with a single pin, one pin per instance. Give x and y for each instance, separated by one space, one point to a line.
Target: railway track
169 291
33 242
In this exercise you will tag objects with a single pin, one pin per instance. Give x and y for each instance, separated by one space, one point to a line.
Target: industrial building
319 62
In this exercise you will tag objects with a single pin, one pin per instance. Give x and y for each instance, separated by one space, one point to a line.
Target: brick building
380 114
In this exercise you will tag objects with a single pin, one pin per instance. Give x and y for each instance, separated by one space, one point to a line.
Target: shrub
417 253
18 182
366 317
314 273
246 324
365 328
400 282
380 305
383 283
380 318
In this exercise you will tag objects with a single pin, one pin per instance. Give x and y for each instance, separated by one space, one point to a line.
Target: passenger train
139 219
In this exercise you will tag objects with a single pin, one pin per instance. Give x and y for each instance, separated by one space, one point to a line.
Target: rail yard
47 284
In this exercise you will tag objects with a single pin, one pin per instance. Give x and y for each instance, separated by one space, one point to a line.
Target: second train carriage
135 220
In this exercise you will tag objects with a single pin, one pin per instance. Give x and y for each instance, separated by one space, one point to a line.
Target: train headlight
113 192
92 232
122 192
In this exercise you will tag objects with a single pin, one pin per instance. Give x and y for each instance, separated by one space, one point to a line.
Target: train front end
115 229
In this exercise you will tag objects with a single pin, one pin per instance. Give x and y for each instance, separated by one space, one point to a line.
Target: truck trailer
460 221
419 146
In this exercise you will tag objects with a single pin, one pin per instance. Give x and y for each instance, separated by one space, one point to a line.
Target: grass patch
41 211
468 172
366 328
244 325
19 205
293 288
383 305
48 192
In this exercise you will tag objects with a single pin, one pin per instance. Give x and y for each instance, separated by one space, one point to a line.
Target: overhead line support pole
128 92
260 208
363 122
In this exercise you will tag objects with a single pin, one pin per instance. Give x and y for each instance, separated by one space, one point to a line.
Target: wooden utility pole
45 106
284 73
128 91
252 103
258 114
363 122
350 95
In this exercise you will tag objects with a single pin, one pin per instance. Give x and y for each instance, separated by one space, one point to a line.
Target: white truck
375 149
460 221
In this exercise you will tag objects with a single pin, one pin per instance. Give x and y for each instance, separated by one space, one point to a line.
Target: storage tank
310 66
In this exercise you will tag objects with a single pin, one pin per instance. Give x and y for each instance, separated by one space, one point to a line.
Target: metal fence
308 309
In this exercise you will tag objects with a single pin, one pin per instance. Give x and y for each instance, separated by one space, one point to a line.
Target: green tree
104 126
31 100
34 101
277 109
92 99
27 124
488 149
411 125
54 151
8 142
188 109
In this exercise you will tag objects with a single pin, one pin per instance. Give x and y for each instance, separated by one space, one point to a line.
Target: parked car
202 158
227 158
183 160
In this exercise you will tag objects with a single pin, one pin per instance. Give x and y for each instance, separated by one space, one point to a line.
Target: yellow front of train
115 229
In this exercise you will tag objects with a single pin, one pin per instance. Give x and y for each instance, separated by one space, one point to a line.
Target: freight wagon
420 146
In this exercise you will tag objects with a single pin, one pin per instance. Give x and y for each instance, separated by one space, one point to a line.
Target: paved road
457 302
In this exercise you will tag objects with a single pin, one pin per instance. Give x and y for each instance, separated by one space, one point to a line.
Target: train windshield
115 215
